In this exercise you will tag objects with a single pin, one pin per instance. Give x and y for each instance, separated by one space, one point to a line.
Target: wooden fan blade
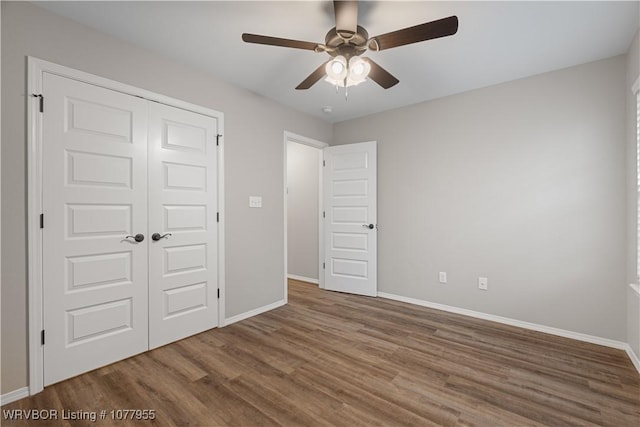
419 33
381 76
313 77
276 41
346 18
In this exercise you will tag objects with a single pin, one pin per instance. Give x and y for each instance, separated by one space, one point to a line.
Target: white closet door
183 204
95 194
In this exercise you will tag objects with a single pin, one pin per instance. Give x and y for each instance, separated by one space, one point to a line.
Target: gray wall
633 299
523 183
302 214
254 155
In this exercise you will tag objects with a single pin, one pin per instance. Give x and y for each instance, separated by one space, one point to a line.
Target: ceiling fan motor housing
354 46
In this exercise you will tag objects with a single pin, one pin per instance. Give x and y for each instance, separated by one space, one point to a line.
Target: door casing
36 68
290 136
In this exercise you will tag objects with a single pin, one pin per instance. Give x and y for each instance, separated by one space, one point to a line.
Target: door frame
292 137
35 69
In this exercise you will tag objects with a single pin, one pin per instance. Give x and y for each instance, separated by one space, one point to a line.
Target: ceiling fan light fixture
337 68
342 75
358 69
348 40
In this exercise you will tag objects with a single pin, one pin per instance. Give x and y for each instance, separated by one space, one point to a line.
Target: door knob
158 236
369 226
138 237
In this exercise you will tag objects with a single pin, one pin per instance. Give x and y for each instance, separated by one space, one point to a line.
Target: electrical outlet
483 283
443 277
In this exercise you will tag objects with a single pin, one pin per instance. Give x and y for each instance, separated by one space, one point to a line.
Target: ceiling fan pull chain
346 86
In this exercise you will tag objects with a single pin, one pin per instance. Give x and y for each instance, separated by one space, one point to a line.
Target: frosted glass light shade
336 69
358 69
339 74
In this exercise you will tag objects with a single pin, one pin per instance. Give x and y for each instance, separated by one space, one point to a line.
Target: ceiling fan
347 41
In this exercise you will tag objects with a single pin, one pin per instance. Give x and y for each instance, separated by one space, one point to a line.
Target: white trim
2 398
634 357
303 279
508 321
34 233
290 136
222 284
285 215
254 312
320 218
14 395
36 68
635 88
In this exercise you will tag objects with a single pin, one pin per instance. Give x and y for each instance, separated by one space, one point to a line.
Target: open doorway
303 209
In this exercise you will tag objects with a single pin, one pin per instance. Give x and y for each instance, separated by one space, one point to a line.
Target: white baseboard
303 279
634 357
513 322
233 319
14 395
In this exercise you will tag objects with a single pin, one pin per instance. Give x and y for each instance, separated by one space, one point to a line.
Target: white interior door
183 269
94 195
116 170
350 229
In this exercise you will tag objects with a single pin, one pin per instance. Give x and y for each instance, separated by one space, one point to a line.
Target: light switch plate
255 201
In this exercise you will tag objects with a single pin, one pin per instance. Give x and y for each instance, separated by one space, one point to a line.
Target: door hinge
41 100
324 214
42 337
41 220
217 216
324 163
218 139
218 293
323 265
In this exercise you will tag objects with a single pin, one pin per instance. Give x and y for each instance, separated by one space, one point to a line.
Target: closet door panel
183 204
94 196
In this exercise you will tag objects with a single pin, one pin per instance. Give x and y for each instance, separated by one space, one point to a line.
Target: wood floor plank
331 359
226 406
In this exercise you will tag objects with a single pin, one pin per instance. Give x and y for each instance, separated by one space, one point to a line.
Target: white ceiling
496 42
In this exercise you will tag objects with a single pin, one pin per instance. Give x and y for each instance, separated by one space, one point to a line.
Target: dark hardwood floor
331 359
